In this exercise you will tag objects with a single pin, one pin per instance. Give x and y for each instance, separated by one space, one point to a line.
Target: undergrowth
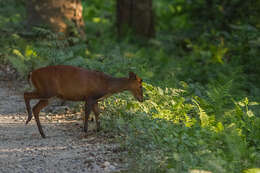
201 89
172 132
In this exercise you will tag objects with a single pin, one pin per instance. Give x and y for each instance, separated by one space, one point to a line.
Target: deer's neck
116 85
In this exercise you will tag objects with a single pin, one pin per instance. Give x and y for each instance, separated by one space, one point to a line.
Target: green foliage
181 141
201 80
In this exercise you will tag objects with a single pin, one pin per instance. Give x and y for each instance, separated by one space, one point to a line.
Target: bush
184 135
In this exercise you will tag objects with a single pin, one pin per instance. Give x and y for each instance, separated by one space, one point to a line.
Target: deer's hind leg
36 109
28 96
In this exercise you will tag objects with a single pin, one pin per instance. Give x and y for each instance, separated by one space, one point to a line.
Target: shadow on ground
66 149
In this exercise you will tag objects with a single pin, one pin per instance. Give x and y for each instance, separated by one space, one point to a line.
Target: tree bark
59 15
136 15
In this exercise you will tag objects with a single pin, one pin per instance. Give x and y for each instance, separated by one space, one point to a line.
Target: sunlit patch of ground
66 147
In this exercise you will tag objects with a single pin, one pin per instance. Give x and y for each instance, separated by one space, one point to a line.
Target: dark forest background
200 62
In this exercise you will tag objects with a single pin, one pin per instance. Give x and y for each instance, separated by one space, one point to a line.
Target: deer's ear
132 75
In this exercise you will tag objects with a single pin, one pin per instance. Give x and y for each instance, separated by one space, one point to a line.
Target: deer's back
68 82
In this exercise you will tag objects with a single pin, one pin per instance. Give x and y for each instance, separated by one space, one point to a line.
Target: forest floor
65 149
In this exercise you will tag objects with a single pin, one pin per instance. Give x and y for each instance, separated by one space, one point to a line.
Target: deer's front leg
96 112
88 108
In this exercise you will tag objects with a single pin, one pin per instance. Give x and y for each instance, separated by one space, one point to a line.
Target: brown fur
76 84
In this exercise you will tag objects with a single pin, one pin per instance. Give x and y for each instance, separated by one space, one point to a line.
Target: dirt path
66 148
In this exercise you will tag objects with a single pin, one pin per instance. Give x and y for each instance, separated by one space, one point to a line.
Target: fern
204 119
219 98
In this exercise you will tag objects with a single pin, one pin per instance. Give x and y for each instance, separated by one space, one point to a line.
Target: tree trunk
60 15
136 15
